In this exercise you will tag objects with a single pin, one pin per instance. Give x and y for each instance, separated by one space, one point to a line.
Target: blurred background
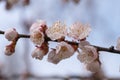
102 15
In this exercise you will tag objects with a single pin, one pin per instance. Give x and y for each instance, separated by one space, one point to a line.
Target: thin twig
24 36
110 49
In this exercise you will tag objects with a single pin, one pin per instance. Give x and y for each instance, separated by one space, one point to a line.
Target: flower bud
10 49
39 25
11 34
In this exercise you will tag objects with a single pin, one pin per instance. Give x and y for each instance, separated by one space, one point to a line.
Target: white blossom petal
82 44
39 25
57 31
37 37
88 55
64 50
53 58
85 57
40 52
79 31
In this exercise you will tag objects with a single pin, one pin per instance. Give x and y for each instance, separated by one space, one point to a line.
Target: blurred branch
15 77
1 32
110 49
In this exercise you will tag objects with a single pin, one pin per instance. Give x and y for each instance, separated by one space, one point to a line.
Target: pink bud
39 25
10 49
11 34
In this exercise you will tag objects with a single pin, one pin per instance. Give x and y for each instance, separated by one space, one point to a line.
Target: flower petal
79 31
57 31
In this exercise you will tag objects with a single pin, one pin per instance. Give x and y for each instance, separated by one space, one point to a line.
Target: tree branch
1 32
110 49
20 35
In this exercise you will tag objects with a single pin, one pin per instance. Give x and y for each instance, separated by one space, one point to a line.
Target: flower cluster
41 34
37 36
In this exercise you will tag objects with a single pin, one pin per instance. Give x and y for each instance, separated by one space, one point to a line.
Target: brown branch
24 36
20 35
110 49
1 32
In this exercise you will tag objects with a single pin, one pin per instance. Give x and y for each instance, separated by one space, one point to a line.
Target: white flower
57 31
53 58
37 37
11 34
79 31
88 55
93 66
118 43
39 25
62 51
40 52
